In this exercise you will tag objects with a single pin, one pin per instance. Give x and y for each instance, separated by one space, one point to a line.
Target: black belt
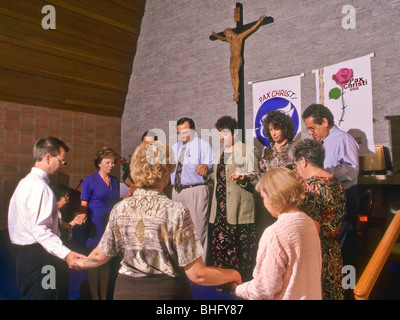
192 185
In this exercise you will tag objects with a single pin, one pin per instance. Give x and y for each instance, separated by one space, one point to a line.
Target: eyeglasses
62 162
312 129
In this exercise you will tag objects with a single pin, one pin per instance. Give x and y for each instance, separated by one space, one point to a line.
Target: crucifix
235 37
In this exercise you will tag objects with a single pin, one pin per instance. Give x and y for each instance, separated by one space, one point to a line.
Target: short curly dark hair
311 150
281 121
227 122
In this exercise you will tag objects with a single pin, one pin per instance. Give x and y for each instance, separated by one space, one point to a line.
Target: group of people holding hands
204 231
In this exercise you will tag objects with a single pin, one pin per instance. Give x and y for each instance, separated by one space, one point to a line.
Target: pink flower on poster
341 78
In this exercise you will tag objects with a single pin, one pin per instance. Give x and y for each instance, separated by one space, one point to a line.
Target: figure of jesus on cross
236 42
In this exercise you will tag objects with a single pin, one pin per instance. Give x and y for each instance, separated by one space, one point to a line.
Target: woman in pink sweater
289 253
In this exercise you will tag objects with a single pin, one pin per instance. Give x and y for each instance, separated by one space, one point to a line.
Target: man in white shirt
33 226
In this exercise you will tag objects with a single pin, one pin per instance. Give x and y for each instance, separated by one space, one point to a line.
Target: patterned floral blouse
272 158
153 234
325 202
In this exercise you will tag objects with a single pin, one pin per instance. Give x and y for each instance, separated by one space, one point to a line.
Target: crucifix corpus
235 37
235 41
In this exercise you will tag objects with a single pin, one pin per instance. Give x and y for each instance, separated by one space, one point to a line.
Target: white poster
278 94
346 89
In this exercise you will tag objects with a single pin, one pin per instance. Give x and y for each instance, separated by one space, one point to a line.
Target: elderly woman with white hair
325 202
155 237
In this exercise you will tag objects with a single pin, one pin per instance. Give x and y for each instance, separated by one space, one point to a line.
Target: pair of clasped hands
75 260
79 219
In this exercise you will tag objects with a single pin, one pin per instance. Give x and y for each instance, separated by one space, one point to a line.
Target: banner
346 89
278 94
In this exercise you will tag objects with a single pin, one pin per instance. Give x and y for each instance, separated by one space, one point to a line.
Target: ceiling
84 64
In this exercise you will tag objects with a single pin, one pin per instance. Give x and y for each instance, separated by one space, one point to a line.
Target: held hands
74 260
231 286
81 263
79 219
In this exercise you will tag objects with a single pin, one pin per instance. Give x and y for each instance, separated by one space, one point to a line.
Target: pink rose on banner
341 78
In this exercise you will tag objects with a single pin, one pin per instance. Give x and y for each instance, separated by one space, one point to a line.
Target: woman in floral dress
325 203
232 216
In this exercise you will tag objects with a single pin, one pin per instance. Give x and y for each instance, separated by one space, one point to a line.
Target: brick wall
22 125
179 72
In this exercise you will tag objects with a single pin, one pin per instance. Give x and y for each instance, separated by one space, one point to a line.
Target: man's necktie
178 173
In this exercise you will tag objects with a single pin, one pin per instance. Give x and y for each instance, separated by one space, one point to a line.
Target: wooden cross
240 29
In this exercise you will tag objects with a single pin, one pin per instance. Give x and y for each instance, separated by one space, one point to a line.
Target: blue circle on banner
273 104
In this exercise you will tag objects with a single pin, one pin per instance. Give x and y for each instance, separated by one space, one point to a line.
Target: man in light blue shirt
341 156
341 160
194 157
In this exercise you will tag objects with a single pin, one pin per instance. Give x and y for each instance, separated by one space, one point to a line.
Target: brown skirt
152 288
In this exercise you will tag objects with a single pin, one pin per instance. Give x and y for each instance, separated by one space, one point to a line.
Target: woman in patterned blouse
155 237
325 203
279 129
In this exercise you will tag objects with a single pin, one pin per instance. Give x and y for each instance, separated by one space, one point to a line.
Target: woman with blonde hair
154 236
289 254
